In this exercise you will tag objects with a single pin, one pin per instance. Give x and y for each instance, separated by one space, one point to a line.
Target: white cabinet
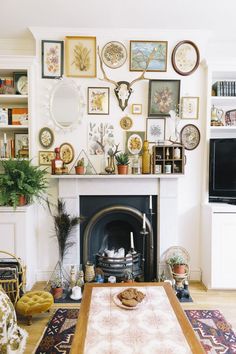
18 236
218 244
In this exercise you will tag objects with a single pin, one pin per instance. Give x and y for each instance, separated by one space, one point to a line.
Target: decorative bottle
146 158
57 163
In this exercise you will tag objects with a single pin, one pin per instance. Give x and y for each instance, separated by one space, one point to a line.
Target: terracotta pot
179 269
22 200
57 293
79 170
122 169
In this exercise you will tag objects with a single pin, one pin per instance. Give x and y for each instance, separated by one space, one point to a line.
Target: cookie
130 303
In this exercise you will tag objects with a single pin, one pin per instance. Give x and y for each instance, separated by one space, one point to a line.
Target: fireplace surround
165 188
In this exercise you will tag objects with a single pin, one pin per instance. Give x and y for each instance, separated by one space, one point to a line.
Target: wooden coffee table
157 325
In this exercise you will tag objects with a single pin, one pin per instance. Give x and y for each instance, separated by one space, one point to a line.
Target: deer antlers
103 71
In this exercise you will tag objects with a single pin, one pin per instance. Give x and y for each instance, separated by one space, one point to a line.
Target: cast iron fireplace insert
109 220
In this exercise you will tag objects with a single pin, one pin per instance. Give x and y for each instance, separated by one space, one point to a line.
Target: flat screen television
222 170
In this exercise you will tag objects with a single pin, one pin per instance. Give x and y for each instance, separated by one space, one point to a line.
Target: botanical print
155 130
98 100
134 142
140 52
163 97
52 59
81 56
186 57
100 138
114 54
45 157
190 107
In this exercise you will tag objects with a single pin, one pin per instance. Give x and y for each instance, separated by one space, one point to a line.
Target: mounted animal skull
123 89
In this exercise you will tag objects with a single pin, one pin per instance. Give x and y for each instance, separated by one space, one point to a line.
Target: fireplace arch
111 226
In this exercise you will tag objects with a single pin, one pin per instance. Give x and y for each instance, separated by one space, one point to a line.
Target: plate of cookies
129 299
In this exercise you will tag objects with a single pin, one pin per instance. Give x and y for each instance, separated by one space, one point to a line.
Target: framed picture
52 59
45 157
156 129
21 144
114 54
189 107
136 108
98 100
185 58
140 52
67 153
134 142
163 97
80 56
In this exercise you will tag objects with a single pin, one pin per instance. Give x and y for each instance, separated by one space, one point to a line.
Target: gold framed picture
80 56
136 108
45 157
189 107
67 153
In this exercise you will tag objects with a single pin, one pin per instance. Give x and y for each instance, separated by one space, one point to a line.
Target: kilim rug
210 326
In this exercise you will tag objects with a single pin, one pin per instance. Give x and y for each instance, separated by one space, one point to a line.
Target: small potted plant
128 276
56 287
122 161
177 264
79 168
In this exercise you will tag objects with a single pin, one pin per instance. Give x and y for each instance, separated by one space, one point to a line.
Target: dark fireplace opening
109 222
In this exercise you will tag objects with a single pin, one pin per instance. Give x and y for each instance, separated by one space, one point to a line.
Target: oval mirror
65 104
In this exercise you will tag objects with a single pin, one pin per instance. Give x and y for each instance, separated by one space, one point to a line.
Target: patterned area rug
210 326
214 332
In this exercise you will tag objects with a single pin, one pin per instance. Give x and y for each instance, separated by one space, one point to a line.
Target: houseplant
21 182
79 168
57 287
122 161
177 264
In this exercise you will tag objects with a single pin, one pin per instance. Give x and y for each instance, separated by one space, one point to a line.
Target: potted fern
122 161
21 182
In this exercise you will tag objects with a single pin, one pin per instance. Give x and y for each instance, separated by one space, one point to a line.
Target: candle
131 240
150 202
144 221
5 138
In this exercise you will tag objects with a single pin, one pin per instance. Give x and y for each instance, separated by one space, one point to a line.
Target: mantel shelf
112 177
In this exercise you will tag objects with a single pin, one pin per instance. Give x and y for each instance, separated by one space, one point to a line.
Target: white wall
189 186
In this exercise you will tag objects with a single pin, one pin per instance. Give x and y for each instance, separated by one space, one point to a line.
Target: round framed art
114 54
190 136
46 137
67 153
185 58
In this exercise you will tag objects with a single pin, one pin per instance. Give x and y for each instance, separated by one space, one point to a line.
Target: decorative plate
114 54
67 153
185 58
126 123
134 144
190 136
46 137
118 303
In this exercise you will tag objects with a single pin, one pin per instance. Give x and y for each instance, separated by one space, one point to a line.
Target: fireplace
109 222
164 190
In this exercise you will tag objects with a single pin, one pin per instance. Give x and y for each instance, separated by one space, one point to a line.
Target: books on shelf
14 116
224 88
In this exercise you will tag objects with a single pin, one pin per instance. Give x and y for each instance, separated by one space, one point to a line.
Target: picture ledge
130 176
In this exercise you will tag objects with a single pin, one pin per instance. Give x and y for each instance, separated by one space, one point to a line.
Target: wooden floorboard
224 301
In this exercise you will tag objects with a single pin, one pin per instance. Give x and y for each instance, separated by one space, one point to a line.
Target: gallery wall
189 185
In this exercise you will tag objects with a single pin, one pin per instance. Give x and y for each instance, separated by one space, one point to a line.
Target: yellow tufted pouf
34 302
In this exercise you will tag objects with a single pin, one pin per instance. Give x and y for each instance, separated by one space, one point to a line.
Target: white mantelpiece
71 187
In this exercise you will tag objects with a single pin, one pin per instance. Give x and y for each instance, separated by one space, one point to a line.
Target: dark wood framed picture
185 58
52 59
98 100
163 96
20 81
